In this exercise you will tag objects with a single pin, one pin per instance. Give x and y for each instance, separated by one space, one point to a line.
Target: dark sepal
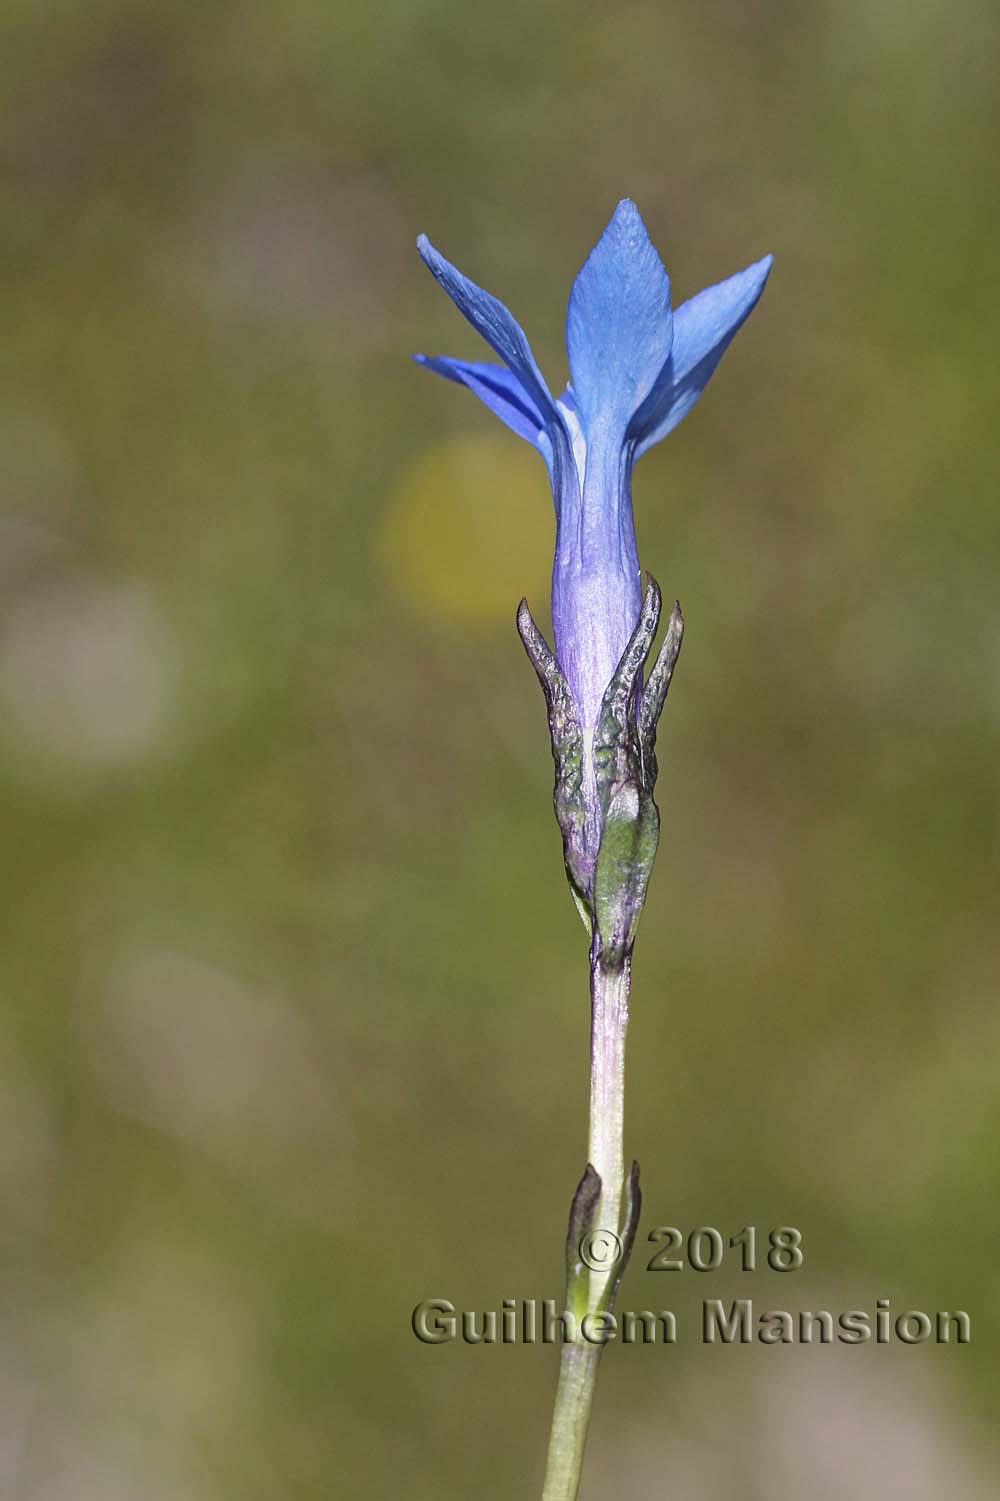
581 1220
656 690
567 753
625 774
617 757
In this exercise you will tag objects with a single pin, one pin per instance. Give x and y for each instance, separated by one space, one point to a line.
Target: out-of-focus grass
294 1027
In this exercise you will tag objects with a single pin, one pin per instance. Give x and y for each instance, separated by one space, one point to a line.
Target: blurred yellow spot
470 528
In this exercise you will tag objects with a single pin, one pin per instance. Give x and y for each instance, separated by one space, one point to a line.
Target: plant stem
609 992
570 1418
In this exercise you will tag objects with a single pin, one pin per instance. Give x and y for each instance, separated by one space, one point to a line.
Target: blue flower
636 369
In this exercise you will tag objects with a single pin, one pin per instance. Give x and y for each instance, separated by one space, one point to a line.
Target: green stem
609 991
570 1418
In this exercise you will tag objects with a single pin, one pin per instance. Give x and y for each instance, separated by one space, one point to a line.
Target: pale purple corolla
636 370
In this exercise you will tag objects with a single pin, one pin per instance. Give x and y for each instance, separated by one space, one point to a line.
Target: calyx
605 777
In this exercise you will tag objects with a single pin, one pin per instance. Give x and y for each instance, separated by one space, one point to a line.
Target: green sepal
581 905
624 865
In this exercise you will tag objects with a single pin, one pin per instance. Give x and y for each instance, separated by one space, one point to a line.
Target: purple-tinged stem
609 991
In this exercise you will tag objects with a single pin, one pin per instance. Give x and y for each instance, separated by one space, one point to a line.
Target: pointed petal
703 330
618 331
496 388
498 327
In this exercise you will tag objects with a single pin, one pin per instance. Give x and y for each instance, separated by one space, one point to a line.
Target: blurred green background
295 1016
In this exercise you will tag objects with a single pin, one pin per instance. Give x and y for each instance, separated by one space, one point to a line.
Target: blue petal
498 327
618 332
703 330
497 388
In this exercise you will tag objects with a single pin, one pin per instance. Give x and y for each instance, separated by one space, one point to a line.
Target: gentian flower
636 371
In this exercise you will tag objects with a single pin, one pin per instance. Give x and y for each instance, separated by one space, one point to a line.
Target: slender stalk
609 992
570 1420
